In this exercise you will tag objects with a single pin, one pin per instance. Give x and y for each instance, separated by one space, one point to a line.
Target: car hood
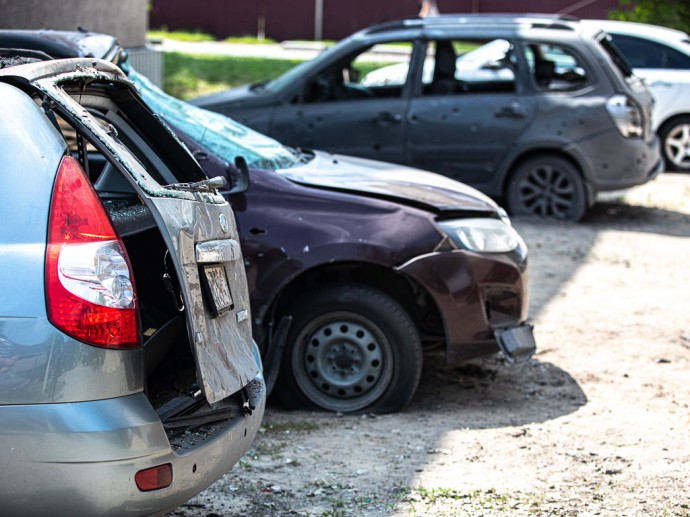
389 181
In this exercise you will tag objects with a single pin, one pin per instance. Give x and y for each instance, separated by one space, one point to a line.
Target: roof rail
537 20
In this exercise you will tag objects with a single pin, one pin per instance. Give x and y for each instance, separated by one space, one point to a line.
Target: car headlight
482 235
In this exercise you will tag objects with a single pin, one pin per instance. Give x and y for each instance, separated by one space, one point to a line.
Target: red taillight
90 292
154 478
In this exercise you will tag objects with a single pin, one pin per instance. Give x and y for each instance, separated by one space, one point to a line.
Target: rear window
642 53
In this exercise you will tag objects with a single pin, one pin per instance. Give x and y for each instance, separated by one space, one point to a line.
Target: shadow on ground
490 393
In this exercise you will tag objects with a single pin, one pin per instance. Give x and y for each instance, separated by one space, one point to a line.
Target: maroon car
357 268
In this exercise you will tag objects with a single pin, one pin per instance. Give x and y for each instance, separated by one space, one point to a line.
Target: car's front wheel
350 348
674 136
548 186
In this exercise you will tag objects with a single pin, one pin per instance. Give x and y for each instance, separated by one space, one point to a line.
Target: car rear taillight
626 115
90 293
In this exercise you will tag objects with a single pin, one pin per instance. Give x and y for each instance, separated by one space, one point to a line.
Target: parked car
556 118
129 380
661 56
356 267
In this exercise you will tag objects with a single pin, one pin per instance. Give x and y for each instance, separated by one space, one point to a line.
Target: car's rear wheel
675 144
350 348
548 186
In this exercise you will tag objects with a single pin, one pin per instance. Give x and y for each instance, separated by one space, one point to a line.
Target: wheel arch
560 153
409 293
528 154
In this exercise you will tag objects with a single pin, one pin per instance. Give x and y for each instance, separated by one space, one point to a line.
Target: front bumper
476 295
81 458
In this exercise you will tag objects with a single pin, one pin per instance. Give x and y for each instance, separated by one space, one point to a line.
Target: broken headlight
482 235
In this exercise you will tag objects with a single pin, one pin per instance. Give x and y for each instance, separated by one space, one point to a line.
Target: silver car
129 380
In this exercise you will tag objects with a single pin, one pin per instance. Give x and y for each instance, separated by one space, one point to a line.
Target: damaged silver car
129 379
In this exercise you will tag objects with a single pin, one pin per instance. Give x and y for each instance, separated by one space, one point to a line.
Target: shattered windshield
220 134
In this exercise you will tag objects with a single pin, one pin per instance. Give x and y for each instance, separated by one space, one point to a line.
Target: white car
660 56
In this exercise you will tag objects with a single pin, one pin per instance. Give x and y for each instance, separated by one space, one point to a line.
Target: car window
456 66
555 67
378 71
642 53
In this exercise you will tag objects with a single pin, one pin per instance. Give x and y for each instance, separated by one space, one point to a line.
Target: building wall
125 19
294 19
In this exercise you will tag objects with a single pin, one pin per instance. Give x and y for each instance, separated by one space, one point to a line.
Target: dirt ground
597 423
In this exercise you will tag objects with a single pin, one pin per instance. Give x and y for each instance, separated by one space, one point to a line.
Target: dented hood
390 181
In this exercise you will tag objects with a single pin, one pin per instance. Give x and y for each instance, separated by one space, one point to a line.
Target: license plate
215 284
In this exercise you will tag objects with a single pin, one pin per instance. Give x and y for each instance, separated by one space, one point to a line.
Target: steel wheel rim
342 361
547 191
677 146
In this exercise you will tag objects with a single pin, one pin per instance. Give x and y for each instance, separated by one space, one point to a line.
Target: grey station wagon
129 380
540 111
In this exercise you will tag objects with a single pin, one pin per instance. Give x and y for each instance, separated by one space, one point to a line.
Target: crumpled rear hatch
196 223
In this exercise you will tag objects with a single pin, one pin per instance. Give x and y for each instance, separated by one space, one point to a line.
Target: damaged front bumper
482 300
517 343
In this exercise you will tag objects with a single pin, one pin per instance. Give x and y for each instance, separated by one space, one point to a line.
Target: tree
668 13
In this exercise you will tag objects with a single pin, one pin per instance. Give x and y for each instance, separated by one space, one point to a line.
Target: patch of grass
249 40
273 450
287 427
191 75
180 35
449 501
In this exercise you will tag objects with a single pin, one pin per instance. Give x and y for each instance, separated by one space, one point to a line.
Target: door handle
385 118
512 111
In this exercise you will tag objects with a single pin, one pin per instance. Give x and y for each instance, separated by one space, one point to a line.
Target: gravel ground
597 423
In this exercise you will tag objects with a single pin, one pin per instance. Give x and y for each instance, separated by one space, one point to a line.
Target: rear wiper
208 185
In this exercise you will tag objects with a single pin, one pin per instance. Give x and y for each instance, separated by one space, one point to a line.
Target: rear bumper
81 458
476 295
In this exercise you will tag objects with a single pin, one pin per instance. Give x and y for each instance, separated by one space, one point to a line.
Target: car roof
62 44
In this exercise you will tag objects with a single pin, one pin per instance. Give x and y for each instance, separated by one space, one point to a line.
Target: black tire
674 136
351 348
548 186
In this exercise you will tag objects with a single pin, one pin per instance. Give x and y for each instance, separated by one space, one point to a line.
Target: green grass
180 35
249 40
188 75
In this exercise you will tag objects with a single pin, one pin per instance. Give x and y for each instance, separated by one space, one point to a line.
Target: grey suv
538 110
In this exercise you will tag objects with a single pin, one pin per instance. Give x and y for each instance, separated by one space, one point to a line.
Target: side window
555 68
642 53
377 72
457 67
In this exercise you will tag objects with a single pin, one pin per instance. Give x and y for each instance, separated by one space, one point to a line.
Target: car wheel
350 348
675 144
548 186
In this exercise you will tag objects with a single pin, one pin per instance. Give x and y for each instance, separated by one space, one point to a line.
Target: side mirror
241 183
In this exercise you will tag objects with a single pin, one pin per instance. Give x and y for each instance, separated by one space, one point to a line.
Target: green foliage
191 75
179 35
668 13
249 40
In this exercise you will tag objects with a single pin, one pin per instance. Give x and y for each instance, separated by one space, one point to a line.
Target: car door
338 109
467 109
